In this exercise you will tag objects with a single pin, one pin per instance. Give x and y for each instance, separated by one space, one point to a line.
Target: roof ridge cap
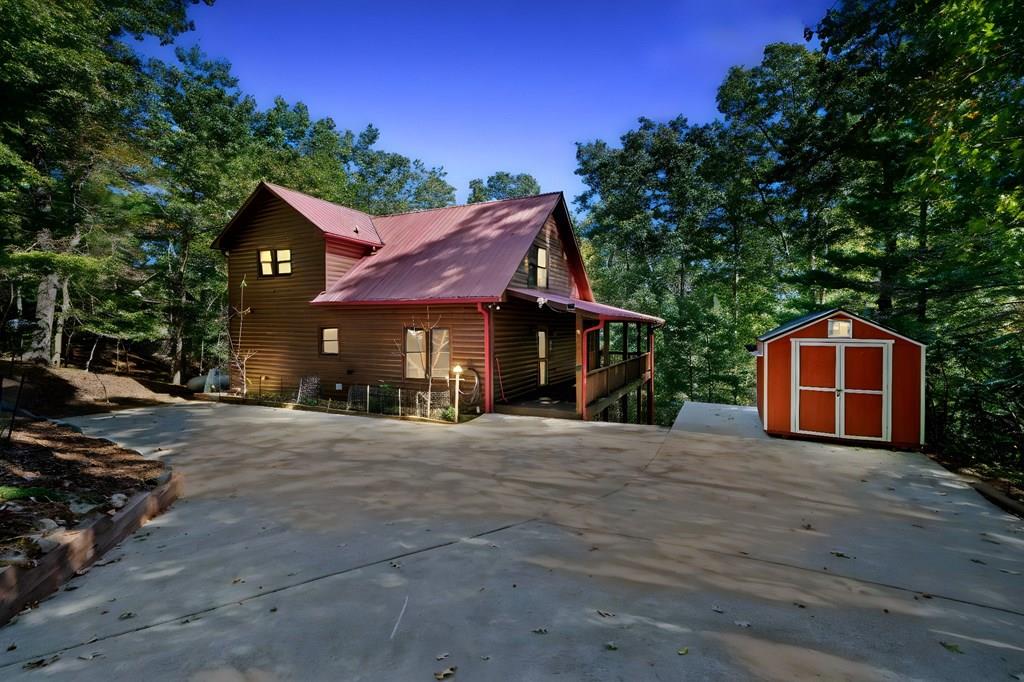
475 203
326 201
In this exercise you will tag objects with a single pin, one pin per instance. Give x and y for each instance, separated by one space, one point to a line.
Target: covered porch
587 360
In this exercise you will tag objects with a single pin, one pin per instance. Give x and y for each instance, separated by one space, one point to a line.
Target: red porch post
650 382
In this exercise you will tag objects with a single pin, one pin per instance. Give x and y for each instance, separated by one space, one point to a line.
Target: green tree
502 185
70 85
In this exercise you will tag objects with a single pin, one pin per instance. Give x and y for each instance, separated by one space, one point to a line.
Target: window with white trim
840 329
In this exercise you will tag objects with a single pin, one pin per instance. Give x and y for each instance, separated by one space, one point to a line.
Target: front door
841 389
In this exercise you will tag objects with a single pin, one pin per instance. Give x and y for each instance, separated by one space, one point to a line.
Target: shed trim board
840 387
783 331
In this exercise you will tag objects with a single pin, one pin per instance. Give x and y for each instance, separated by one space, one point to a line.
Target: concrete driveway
314 546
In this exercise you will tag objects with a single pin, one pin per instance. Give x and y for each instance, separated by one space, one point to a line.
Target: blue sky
478 87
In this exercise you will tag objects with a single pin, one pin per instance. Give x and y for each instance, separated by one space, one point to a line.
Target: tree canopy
881 172
502 185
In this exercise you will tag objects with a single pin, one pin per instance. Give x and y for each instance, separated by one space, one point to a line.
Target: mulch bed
52 476
67 391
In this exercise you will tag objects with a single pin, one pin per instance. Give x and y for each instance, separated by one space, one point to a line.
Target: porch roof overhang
592 309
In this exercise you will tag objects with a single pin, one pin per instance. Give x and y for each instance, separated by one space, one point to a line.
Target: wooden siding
284 328
515 347
339 258
559 277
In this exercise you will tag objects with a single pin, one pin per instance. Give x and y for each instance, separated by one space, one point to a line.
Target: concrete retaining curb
81 546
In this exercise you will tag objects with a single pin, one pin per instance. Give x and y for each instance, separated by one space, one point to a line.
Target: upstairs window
275 262
329 344
537 268
421 349
840 329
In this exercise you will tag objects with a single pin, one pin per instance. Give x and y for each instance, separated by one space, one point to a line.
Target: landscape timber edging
80 547
998 498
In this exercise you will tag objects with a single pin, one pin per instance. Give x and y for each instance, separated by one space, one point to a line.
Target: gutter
408 301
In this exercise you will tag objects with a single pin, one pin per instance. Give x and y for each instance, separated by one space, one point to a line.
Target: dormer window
537 268
840 329
275 262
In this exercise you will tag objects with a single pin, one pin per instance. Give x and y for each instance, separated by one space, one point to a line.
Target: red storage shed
838 376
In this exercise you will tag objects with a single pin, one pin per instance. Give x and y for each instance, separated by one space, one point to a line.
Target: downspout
586 364
488 384
650 382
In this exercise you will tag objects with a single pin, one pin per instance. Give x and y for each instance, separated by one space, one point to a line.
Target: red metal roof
609 312
332 219
446 254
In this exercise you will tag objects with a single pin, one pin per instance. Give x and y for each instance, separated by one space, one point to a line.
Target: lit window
275 262
329 341
840 329
419 346
537 268
542 357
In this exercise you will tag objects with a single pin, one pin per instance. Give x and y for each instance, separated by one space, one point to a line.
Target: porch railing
604 381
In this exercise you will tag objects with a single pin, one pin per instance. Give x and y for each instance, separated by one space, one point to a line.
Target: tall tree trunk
41 346
887 273
179 317
62 318
922 246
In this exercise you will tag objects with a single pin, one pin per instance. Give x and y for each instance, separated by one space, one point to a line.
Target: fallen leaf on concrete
441 657
89 657
605 614
539 631
126 615
445 674
951 647
742 623
683 651
611 646
40 662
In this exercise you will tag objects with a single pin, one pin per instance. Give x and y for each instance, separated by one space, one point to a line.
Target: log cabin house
498 289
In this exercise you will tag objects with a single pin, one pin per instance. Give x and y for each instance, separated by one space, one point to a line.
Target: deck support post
580 365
